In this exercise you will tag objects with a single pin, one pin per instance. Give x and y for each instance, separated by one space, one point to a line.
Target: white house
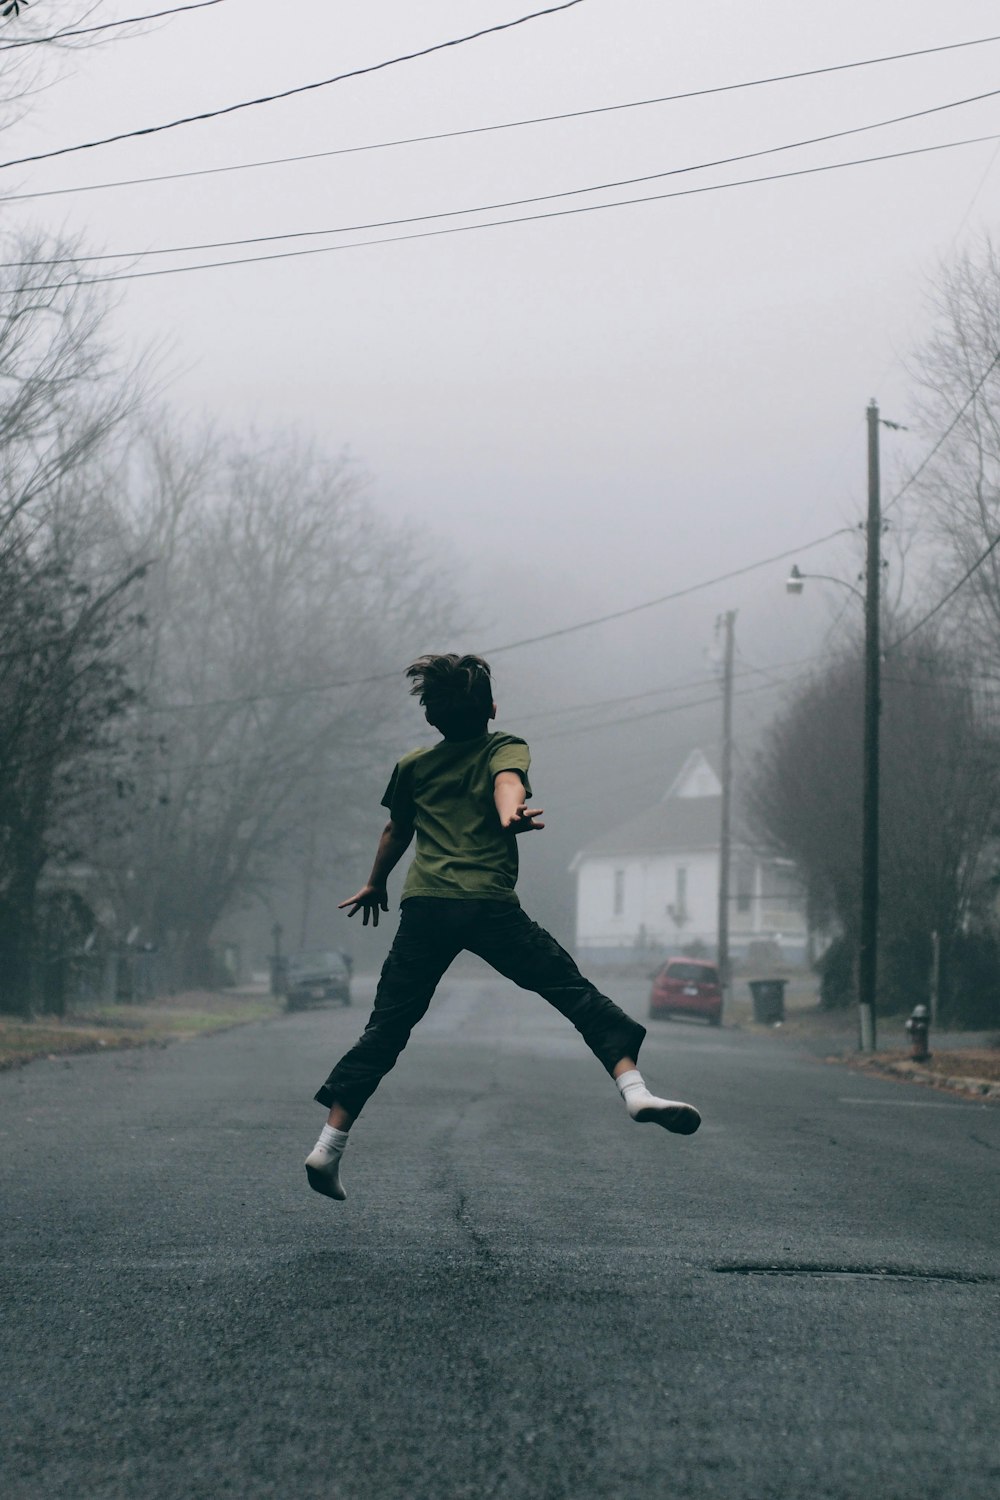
651 886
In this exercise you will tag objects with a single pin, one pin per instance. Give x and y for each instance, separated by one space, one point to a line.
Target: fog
576 415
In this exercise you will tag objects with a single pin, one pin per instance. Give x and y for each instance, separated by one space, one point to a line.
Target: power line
590 705
330 686
975 198
654 713
446 135
946 599
693 588
947 432
557 213
482 208
304 88
677 687
59 36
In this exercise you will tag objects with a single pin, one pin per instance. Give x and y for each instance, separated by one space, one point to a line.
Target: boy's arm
508 794
373 897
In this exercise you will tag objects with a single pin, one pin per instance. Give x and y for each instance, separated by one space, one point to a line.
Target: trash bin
768 1000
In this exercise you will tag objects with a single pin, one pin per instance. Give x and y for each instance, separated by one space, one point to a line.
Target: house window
619 894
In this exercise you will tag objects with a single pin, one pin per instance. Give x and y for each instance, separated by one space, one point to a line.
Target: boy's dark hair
455 691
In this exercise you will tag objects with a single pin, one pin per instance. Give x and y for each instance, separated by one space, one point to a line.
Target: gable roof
698 776
673 823
682 820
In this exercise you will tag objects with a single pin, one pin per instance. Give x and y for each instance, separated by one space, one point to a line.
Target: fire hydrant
918 1027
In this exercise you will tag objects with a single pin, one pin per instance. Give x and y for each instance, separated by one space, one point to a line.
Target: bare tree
277 601
33 39
958 372
940 788
62 675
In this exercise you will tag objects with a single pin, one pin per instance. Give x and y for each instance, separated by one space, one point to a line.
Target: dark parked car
686 987
318 975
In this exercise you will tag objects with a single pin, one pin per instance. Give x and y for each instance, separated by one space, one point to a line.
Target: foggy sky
582 413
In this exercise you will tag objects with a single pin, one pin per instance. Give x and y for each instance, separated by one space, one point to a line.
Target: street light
796 580
868 945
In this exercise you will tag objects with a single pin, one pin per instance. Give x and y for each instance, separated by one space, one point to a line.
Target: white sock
629 1082
647 1108
323 1163
331 1142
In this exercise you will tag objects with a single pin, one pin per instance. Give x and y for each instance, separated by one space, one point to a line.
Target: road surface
526 1296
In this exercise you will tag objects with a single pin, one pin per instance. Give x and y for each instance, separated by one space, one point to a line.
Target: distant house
651 886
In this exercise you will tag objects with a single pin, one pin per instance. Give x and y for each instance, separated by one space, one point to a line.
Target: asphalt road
526 1295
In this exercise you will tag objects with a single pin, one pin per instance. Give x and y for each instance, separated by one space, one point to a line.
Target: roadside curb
922 1074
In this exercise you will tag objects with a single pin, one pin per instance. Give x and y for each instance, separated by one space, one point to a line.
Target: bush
971 982
904 966
835 968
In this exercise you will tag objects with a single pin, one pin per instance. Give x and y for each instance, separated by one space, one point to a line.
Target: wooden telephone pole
727 622
868 949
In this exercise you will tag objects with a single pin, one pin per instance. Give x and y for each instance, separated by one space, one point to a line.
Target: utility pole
308 880
277 976
727 621
868 951
935 976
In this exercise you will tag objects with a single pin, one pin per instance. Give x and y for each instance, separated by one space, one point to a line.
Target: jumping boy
464 798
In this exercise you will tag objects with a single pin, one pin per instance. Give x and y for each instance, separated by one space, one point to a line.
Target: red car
686 987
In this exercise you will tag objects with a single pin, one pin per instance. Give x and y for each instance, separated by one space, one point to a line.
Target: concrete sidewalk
961 1062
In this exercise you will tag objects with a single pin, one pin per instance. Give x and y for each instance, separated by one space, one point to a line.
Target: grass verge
971 1071
174 1018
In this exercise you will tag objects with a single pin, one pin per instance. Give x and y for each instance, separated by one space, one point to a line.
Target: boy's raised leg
418 958
518 948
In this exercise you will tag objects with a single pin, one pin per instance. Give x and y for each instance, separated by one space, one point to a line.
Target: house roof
679 762
675 823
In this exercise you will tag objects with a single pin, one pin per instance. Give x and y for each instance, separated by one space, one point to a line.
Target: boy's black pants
432 931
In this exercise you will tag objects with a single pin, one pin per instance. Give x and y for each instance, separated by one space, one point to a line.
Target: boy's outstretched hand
509 794
524 820
371 899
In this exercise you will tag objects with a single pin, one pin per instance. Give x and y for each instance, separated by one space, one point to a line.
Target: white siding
649 888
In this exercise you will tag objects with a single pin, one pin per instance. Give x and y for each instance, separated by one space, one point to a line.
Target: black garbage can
768 1000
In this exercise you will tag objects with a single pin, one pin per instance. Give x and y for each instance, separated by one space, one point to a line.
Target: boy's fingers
526 825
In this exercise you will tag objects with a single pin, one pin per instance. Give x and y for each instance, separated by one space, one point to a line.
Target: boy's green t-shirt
446 793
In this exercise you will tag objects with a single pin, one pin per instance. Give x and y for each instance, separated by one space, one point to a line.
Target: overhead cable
946 434
447 135
556 213
304 88
654 713
59 36
939 606
330 686
170 768
483 208
688 685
